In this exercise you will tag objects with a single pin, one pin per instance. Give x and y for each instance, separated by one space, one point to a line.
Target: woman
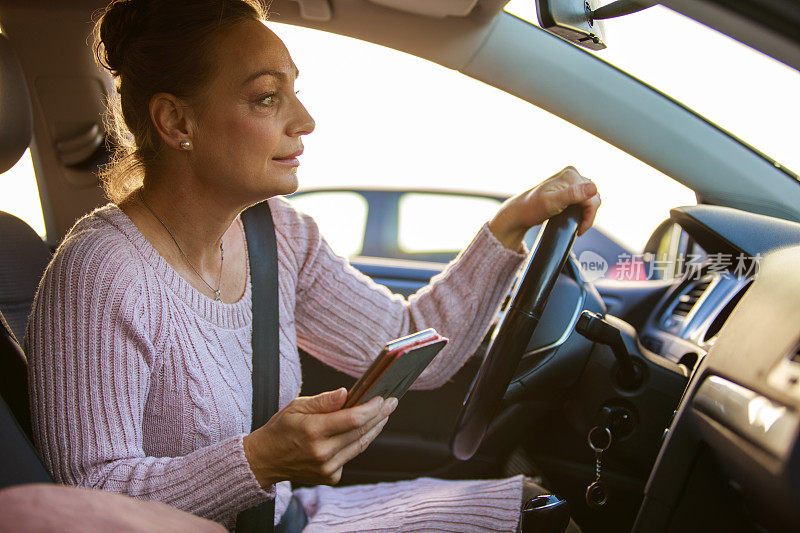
140 336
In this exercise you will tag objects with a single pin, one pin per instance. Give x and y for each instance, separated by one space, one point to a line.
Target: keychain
596 492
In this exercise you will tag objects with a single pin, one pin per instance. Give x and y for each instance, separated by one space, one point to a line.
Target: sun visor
428 8
319 10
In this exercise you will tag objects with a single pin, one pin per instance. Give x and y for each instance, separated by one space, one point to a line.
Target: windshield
454 134
732 85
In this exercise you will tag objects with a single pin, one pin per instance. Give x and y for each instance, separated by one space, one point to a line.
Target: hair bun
119 26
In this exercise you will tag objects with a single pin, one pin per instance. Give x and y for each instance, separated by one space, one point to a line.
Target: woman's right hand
311 439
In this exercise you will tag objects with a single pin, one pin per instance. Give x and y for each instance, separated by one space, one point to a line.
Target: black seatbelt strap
262 248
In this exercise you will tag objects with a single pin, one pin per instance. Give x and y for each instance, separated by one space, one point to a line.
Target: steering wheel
514 331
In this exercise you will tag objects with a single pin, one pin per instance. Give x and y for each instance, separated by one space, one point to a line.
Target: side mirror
670 251
661 237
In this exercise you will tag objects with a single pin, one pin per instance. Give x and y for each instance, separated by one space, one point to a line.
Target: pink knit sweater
140 384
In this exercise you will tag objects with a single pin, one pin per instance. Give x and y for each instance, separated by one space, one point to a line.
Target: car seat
19 462
23 258
24 255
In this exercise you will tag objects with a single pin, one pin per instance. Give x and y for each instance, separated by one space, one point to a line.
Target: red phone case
388 357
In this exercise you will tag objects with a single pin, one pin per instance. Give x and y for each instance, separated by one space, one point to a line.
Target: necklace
217 295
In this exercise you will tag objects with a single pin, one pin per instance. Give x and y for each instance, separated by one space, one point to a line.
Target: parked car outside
423 225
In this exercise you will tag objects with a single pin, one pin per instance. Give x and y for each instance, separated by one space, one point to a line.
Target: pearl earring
186 145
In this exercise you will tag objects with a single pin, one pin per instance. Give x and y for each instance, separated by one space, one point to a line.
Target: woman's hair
153 46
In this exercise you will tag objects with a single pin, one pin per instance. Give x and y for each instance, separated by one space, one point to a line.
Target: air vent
687 300
724 313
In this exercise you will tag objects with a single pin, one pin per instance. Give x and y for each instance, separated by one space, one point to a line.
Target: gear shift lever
544 514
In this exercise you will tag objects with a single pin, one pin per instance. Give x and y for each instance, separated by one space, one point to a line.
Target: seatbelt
262 249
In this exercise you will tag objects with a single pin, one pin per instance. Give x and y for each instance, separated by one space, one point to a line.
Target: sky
385 118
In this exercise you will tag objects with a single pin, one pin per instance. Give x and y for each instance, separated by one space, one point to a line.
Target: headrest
16 123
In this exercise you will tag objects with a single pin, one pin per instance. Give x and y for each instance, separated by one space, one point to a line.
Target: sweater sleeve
344 318
92 343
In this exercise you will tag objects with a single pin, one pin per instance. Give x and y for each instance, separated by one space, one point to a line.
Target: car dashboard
687 322
722 340
730 460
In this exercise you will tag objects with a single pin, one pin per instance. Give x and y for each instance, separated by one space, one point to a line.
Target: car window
19 194
440 222
388 119
341 216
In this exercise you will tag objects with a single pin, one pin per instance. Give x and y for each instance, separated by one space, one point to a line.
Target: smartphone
396 368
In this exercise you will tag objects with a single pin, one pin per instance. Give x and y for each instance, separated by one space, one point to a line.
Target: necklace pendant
217 296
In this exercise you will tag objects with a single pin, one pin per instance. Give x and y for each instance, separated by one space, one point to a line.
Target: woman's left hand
519 213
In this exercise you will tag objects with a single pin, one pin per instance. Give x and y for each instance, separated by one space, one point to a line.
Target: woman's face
249 124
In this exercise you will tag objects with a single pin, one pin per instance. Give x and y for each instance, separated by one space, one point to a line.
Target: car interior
694 378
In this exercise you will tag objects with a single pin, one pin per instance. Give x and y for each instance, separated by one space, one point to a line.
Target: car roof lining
438 9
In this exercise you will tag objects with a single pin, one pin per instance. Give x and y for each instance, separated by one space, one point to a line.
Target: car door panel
399 276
